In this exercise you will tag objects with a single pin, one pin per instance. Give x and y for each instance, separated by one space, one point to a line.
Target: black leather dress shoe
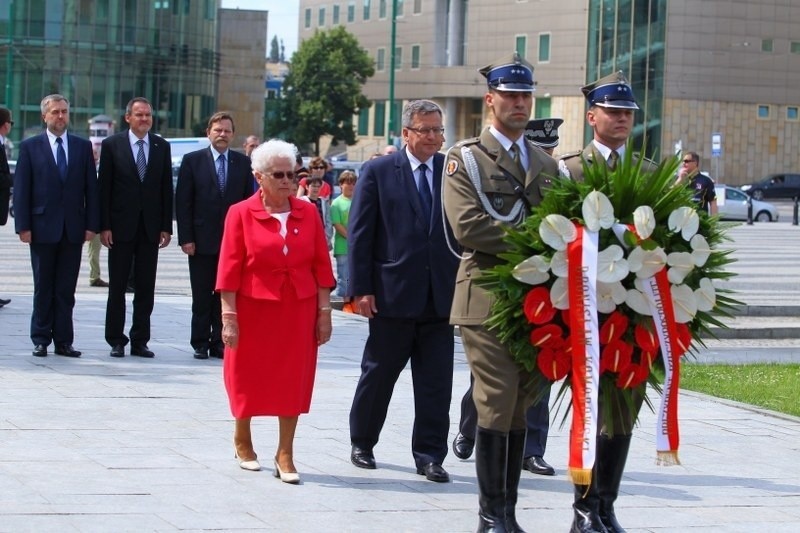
142 351
98 283
4 301
538 465
40 350
201 353
463 446
362 458
67 351
118 350
434 472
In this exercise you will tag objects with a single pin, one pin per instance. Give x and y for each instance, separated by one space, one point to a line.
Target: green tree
274 50
322 91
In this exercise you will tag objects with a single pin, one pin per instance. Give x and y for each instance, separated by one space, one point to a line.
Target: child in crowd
340 212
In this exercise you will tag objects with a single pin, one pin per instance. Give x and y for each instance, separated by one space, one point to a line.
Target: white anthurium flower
644 220
612 265
609 296
706 295
533 270
685 220
597 211
636 300
557 231
645 263
558 264
700 250
559 294
680 265
684 303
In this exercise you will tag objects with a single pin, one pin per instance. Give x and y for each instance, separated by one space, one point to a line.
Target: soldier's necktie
141 164
61 159
612 159
221 174
515 155
425 195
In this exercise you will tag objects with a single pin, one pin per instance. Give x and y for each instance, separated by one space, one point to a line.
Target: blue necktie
221 174
141 164
425 195
61 159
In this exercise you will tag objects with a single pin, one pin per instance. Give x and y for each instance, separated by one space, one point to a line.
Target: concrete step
760 327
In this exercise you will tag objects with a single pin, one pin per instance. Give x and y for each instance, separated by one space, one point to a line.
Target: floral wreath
610 281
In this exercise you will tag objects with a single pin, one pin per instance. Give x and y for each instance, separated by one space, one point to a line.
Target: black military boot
516 452
491 457
586 507
612 452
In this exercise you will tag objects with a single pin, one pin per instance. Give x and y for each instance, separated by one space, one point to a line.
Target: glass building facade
101 53
629 35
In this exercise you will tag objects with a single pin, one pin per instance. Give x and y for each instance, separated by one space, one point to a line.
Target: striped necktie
141 164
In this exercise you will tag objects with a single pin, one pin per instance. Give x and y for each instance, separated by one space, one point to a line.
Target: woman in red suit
274 276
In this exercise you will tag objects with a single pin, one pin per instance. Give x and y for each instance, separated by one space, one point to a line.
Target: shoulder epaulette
471 140
570 155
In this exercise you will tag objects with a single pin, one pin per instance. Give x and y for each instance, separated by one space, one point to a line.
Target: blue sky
282 20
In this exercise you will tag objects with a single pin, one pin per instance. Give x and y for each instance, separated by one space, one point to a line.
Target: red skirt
271 371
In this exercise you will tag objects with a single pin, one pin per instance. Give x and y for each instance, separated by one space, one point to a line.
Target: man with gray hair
56 204
402 277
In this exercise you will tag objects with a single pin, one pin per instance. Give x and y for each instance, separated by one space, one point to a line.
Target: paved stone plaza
112 445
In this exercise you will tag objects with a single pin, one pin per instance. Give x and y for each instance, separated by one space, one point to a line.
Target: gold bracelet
325 309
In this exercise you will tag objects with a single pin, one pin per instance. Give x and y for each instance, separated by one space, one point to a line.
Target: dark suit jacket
124 198
5 186
47 206
199 206
391 251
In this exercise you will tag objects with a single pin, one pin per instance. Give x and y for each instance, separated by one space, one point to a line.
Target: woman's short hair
318 161
264 155
347 176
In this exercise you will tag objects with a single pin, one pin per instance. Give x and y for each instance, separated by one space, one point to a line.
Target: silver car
732 205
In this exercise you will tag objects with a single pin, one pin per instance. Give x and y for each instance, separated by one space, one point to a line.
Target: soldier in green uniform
610 114
492 181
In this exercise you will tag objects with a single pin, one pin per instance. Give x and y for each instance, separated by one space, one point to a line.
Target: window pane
382 9
794 47
766 45
763 111
351 12
321 21
367 6
399 8
543 108
415 56
363 122
335 15
379 127
521 45
398 58
791 113
544 47
380 60
308 18
417 7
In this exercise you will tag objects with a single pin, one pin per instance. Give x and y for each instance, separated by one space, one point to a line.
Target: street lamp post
392 114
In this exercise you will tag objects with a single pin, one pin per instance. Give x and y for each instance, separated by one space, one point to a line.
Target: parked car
732 205
774 186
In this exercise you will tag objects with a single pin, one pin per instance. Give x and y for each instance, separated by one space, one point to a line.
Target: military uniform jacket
573 162
475 228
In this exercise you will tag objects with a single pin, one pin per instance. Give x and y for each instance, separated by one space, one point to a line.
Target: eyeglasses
317 168
11 122
685 161
426 131
279 175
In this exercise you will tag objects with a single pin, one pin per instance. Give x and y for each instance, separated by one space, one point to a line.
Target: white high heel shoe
253 465
286 477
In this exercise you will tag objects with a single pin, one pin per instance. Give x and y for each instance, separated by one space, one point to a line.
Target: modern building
242 46
101 53
728 68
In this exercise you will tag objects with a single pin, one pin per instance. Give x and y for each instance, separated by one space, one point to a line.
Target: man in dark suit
402 276
56 210
209 182
5 174
136 220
